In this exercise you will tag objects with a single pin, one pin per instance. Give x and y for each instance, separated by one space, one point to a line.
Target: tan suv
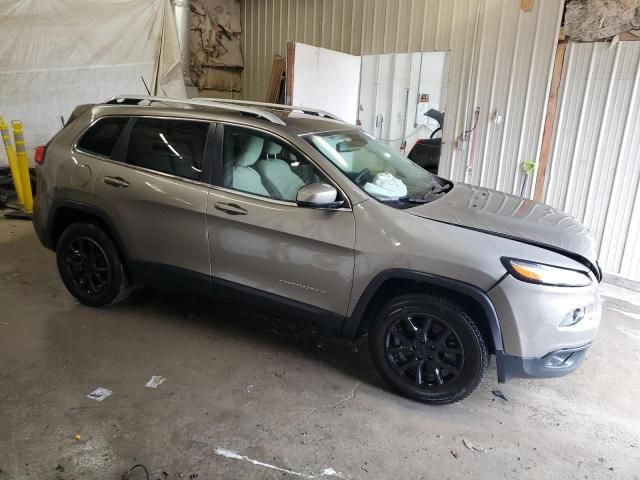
291 209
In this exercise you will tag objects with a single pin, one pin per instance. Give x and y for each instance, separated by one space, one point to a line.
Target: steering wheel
362 176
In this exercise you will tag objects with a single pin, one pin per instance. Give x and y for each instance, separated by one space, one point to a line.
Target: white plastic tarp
56 54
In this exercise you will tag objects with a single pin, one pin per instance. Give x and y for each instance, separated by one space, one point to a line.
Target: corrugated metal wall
390 85
501 59
594 170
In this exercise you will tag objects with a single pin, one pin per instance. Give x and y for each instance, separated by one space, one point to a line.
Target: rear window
175 147
102 137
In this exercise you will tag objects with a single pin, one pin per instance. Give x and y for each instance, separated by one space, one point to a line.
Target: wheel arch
65 213
398 281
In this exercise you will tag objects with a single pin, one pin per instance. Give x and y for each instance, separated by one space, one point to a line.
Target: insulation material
219 94
226 13
218 79
589 20
56 54
216 56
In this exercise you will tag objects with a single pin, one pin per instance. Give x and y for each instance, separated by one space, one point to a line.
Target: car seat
276 174
245 155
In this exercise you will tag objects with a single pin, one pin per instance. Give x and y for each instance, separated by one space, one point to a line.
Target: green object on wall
528 166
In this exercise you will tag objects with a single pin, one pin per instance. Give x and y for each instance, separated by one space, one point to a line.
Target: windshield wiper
413 199
437 188
433 190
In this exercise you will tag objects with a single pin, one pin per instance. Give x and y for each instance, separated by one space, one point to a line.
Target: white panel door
327 80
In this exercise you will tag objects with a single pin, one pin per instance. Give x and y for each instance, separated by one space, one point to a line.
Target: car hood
513 217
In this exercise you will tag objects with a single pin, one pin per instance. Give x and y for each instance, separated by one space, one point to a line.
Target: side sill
324 319
187 280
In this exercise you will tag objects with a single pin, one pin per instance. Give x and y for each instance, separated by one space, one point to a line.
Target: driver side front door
263 244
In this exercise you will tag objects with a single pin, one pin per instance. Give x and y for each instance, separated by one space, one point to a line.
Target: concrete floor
276 392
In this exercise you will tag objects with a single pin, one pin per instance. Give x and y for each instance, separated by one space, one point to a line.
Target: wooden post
526 5
277 71
549 121
291 58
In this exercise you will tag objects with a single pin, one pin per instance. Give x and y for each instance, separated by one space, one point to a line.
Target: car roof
303 123
295 119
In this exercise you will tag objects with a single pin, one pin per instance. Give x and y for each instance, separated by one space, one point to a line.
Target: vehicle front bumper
530 316
534 343
554 364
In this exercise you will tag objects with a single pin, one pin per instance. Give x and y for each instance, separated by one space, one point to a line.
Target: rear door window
101 138
175 147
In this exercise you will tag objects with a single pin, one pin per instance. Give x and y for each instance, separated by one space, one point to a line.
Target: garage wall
594 170
55 55
390 86
501 59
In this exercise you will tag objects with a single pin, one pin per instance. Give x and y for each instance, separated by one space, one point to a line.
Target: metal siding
505 66
390 81
595 157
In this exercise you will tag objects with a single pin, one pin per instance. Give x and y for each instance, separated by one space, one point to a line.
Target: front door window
261 165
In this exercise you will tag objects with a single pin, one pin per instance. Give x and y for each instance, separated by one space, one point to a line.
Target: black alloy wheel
428 348
423 349
86 265
90 266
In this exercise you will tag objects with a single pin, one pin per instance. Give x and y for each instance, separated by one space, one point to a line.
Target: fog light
559 359
573 317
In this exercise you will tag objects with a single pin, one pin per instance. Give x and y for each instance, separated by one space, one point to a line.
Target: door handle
230 208
116 182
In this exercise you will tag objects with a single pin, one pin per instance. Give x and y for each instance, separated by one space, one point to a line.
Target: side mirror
318 195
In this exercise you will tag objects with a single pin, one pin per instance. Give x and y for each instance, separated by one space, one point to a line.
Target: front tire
90 266
428 348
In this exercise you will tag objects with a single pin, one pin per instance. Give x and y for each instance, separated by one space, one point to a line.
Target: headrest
249 152
272 149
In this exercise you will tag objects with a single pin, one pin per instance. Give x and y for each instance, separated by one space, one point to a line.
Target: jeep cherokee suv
291 209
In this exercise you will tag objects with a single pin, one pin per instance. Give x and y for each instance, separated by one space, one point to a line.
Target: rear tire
428 348
90 266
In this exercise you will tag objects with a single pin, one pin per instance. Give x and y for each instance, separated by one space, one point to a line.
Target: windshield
378 170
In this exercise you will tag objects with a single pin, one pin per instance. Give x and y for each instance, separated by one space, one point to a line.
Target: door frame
119 154
218 167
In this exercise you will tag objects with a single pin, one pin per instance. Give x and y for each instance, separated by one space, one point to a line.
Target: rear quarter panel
64 175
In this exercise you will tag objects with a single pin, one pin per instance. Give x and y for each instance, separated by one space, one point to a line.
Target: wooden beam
277 71
526 5
628 37
549 121
291 60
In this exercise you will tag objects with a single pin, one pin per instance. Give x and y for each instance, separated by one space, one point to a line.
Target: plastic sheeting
56 54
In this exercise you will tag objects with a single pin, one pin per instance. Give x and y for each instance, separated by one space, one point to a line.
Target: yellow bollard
13 160
23 165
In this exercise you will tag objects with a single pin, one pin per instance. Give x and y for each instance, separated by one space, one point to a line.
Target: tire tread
455 308
90 229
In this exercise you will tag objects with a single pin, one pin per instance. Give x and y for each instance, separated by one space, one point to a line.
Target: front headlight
541 274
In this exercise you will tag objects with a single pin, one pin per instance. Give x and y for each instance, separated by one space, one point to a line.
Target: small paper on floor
99 394
155 381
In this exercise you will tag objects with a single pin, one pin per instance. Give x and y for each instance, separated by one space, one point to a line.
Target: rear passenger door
154 189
